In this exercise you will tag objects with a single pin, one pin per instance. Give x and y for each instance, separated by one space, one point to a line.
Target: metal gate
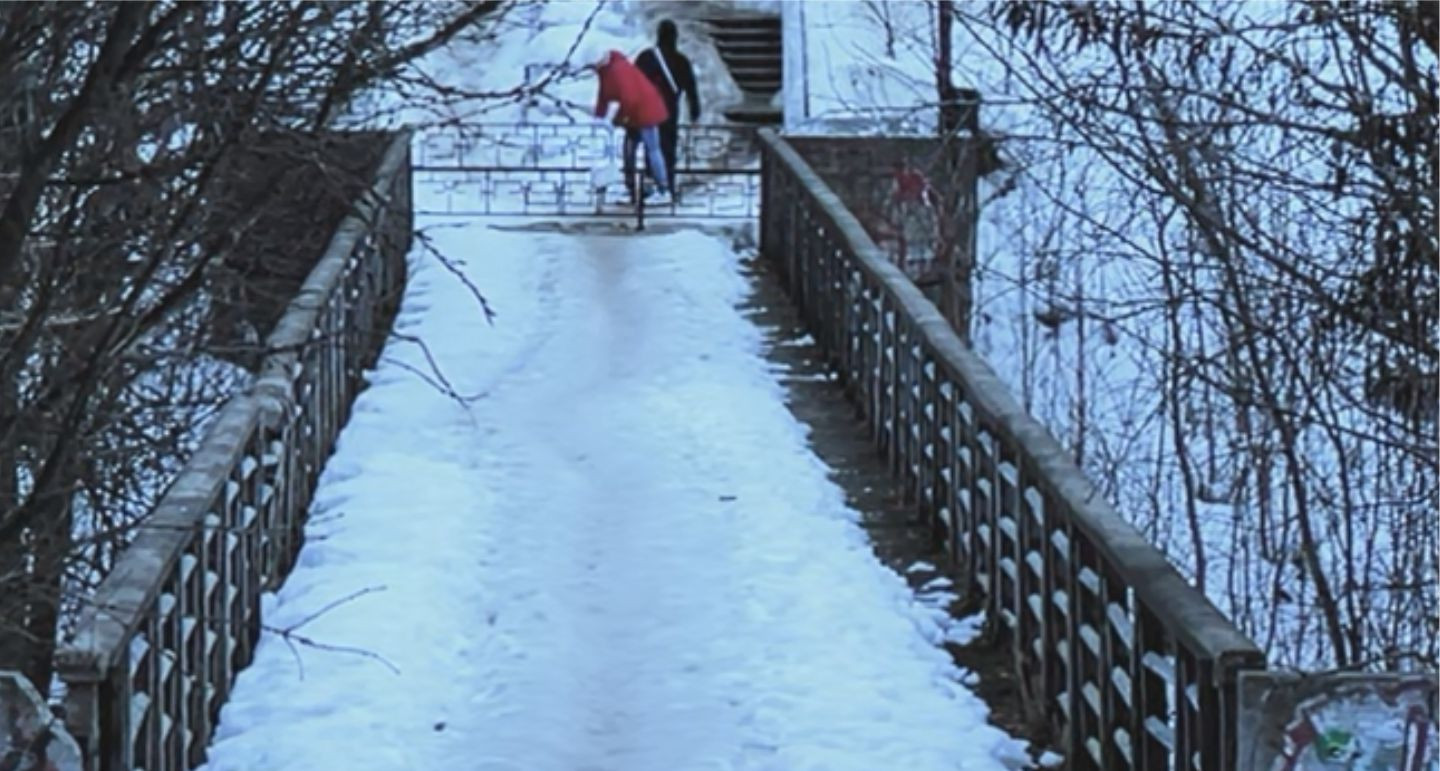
545 169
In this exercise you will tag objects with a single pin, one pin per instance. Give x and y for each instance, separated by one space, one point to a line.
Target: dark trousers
669 135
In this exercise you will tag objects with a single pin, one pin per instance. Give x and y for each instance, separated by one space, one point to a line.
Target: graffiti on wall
1362 726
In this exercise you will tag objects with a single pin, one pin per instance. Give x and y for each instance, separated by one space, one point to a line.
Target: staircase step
752 59
746 34
752 49
757 53
755 116
749 32
760 69
749 50
747 42
744 22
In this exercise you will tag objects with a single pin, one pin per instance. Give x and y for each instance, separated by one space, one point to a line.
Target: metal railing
158 649
544 169
1131 666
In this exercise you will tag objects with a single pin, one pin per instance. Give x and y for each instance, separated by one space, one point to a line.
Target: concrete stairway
750 46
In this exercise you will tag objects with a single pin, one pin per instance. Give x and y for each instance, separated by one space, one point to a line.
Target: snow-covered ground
619 555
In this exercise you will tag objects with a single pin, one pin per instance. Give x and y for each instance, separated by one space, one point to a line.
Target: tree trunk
13 614
959 111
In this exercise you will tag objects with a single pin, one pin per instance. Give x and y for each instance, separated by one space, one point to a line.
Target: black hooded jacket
680 70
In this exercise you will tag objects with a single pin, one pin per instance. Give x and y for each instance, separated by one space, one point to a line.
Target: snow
606 545
1051 760
620 554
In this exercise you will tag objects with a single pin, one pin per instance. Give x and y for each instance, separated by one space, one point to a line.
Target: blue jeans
655 159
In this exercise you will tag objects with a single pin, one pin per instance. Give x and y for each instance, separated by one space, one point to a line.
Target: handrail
545 169
559 146
1131 665
157 650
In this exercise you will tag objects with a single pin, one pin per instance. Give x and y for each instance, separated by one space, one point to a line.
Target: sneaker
661 198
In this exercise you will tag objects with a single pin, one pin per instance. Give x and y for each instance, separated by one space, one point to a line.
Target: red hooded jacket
641 105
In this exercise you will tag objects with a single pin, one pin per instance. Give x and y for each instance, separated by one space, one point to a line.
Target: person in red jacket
631 101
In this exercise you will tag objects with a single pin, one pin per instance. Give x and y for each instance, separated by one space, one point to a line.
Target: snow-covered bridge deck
614 551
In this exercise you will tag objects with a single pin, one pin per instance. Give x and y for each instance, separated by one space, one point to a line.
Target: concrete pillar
31 737
794 89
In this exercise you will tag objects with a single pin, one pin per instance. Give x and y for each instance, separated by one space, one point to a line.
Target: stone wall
901 189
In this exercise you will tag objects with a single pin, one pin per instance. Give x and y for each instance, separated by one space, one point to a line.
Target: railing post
1210 712
82 716
1112 699
926 414
766 209
884 384
1082 669
1029 617
911 406
1149 714
1052 625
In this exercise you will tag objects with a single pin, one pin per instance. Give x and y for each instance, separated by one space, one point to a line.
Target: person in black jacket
671 72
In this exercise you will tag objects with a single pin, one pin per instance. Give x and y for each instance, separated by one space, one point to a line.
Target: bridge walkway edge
899 533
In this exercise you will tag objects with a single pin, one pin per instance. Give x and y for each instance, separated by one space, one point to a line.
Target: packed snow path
619 555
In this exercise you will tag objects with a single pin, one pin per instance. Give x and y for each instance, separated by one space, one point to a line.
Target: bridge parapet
1126 663
158 647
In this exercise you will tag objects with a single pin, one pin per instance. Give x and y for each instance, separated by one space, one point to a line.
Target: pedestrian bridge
634 522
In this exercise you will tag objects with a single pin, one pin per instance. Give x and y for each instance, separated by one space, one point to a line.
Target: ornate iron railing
544 169
158 649
1131 666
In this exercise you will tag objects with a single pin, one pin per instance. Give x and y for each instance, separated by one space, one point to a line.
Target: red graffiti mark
1299 735
911 186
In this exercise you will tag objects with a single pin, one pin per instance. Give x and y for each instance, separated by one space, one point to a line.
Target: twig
454 269
439 381
291 637
335 604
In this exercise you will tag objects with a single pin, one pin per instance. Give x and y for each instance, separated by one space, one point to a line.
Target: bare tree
123 126
1268 203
